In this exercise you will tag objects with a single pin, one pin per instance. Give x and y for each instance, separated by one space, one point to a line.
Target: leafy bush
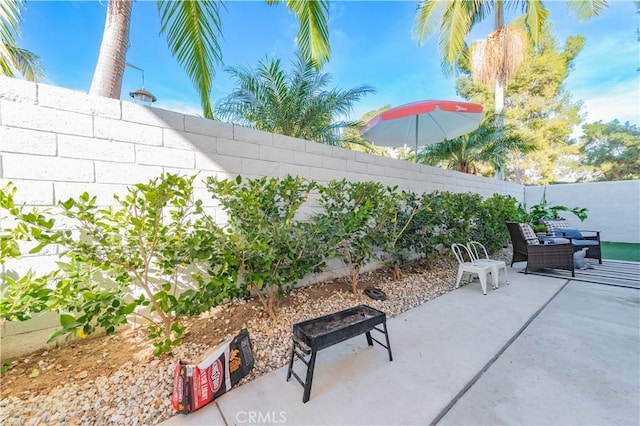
424 232
124 259
160 256
459 217
273 249
355 213
456 217
397 235
545 211
492 214
22 297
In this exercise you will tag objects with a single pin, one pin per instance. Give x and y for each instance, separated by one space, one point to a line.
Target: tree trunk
499 107
397 274
500 83
107 77
354 281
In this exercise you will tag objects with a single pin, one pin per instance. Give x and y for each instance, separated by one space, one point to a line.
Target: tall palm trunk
107 78
500 83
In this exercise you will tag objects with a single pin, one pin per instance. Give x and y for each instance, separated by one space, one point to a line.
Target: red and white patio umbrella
422 123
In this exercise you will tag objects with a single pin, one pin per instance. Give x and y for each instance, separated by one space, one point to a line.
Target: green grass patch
621 251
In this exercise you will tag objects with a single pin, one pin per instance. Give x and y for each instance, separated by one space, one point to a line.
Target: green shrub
272 248
397 236
158 250
544 210
492 213
21 297
355 213
424 230
121 259
456 216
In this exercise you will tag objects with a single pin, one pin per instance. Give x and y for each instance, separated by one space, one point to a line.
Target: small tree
354 211
128 259
272 247
483 151
492 213
397 234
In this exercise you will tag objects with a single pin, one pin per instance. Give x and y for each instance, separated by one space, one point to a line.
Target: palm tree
15 61
295 104
488 147
495 59
193 28
498 56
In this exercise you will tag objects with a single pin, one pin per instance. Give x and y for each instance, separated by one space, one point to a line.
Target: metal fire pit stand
313 335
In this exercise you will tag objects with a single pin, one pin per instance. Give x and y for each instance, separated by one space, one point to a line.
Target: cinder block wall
56 143
613 207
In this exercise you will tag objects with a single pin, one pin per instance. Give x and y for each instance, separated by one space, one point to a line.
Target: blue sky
370 40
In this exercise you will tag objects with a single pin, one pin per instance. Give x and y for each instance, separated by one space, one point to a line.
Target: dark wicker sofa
539 256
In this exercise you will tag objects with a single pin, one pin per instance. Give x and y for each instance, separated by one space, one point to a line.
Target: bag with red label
195 385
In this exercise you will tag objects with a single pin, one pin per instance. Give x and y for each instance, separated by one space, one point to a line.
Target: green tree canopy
612 150
538 108
295 104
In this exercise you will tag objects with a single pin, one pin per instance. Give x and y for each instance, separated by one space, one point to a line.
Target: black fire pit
315 334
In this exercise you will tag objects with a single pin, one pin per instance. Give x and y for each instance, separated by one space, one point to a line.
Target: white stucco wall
56 143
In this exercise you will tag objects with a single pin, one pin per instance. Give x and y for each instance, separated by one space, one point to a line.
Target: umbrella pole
415 157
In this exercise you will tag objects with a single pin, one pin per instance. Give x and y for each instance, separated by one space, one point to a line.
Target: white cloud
621 101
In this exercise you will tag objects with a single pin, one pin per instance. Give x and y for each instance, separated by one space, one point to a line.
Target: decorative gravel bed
139 392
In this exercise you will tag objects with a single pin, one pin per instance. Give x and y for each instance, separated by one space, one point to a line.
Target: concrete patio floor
538 351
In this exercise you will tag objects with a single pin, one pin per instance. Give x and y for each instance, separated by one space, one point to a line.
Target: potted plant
545 211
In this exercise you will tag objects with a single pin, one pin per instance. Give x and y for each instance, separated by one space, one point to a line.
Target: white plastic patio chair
479 254
467 265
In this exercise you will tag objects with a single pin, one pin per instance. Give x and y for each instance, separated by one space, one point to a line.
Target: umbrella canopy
422 123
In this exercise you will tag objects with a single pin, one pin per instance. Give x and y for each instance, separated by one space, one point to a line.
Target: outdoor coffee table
315 334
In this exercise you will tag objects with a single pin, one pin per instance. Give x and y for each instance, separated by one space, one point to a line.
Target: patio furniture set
554 250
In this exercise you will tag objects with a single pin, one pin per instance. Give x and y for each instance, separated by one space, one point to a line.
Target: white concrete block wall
57 143
613 207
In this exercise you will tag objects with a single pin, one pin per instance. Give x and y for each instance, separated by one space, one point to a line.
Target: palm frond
480 10
192 29
26 63
488 145
313 29
366 146
427 19
10 19
586 9
535 18
499 56
313 32
456 24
